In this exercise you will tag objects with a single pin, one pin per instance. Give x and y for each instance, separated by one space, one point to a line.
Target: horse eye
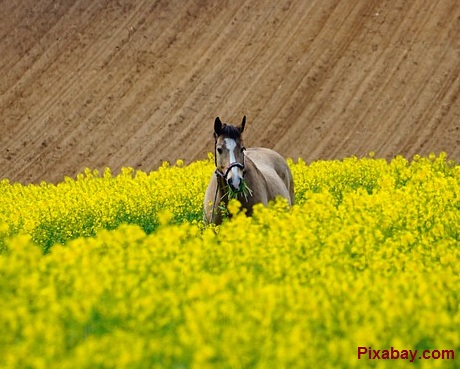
219 150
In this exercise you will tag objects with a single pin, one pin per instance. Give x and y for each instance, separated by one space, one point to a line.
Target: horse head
229 153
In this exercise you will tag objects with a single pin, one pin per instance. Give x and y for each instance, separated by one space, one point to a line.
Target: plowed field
94 83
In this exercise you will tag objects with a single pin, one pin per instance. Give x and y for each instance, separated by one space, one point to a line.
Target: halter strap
223 175
229 168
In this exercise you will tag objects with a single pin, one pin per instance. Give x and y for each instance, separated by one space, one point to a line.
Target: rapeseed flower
120 271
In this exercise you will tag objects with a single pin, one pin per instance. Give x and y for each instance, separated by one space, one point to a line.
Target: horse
252 176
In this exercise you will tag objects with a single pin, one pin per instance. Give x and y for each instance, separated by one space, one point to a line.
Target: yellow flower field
119 271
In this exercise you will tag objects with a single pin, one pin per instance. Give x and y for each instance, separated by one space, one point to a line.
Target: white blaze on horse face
235 176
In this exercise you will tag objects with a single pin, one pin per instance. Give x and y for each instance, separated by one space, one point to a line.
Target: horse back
275 170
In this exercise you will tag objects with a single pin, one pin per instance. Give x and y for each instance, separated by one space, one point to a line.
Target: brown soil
96 83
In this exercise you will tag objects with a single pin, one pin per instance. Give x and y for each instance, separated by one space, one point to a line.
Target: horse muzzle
235 181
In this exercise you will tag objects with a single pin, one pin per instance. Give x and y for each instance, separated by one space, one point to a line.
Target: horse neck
252 171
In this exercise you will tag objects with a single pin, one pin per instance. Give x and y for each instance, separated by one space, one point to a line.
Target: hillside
95 83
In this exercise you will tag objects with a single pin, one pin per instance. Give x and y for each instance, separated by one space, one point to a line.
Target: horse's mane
230 132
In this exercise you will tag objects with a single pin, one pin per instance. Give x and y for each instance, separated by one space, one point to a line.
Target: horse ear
243 123
217 127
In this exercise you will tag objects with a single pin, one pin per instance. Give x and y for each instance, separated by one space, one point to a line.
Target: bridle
223 175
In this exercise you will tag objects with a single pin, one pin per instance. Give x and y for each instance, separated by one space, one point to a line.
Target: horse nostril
235 185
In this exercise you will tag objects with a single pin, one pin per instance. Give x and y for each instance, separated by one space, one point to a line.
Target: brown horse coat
265 173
